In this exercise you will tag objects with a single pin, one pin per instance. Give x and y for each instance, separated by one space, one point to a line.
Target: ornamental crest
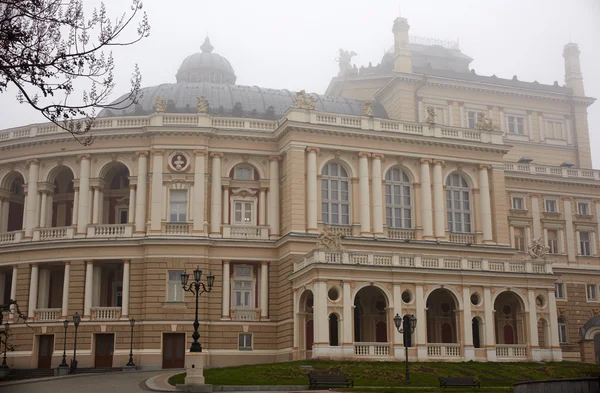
537 249
159 104
484 123
202 105
330 238
304 101
179 162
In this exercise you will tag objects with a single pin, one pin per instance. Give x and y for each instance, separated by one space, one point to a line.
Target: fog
293 45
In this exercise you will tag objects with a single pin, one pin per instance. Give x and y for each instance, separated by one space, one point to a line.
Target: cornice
522 177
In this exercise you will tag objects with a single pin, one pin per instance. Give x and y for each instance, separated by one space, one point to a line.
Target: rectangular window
559 290
518 203
242 294
519 239
245 342
583 208
584 243
551 206
243 213
554 130
516 125
562 332
174 288
553 242
123 216
592 292
178 206
472 118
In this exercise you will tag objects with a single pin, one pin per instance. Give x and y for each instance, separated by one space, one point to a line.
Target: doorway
173 350
309 329
45 350
105 347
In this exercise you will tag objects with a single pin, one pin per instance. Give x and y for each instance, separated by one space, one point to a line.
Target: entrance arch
115 197
370 315
509 318
61 201
334 330
441 317
12 213
478 334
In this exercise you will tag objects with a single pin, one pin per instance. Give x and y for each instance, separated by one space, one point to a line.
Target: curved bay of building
488 235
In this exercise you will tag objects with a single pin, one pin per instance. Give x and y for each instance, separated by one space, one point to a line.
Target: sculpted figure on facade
344 61
304 101
430 115
202 105
331 239
367 110
484 123
538 250
159 104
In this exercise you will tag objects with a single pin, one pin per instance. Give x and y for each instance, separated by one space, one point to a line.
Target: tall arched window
458 204
335 203
398 201
562 331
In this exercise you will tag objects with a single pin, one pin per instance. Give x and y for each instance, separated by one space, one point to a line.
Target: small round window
475 299
540 301
407 297
333 294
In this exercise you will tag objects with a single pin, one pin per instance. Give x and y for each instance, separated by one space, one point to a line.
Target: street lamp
406 325
6 326
131 363
197 288
76 320
64 359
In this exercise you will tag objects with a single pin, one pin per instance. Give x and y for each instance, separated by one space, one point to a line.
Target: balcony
58 233
105 313
245 314
401 234
463 238
245 232
371 349
48 314
515 351
110 230
177 228
11 237
443 350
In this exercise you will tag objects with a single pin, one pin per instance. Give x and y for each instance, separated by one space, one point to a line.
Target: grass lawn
392 373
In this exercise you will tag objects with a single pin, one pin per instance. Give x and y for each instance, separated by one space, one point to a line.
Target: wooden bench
446 382
332 381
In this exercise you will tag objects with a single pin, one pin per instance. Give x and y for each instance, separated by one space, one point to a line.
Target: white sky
293 45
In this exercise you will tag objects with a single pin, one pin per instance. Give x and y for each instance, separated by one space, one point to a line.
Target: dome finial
206 46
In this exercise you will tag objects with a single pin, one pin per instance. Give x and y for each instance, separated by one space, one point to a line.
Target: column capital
310 149
264 263
425 160
126 261
200 152
66 263
33 161
364 154
566 198
378 156
534 195
275 158
216 154
484 167
158 152
226 261
141 153
440 162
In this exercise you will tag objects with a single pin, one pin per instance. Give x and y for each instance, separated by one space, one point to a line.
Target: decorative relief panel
179 162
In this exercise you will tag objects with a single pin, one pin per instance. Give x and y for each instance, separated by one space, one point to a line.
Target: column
488 308
426 200
225 205
65 294
131 210
215 195
261 207
486 207
535 213
157 191
398 342
199 198
96 285
438 200
4 214
33 291
421 336
13 286
264 290
84 194
96 206
43 288
87 302
532 322
32 192
365 205
469 351
554 342
570 231
125 301
43 210
141 193
100 192
377 194
347 339
226 291
321 319
598 224
49 210
274 195
311 189
75 203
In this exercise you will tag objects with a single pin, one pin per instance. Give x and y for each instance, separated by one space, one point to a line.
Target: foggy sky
293 45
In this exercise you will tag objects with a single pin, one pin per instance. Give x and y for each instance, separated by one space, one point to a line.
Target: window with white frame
243 212
518 203
398 200
583 208
178 206
335 203
519 238
551 205
245 342
562 331
554 129
592 292
174 288
559 290
458 204
585 246
472 118
243 173
516 125
243 287
552 241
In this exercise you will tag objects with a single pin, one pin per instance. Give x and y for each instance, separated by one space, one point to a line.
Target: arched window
398 201
335 203
562 331
458 204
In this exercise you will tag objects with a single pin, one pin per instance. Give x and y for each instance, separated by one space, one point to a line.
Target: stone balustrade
546 170
245 314
47 314
110 230
245 232
177 228
435 350
105 313
506 351
11 237
372 349
57 233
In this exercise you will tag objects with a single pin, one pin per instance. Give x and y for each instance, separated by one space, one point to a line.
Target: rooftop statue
430 115
159 104
202 105
304 101
484 123
344 60
330 238
367 110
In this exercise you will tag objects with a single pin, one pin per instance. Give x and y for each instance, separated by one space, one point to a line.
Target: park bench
446 382
331 381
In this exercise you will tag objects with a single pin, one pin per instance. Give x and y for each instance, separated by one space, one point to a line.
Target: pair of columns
13 285
264 290
39 289
219 197
92 288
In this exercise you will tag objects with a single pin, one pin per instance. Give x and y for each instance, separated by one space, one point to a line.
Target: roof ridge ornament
207 47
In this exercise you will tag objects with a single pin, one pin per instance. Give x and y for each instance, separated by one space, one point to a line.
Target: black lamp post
406 326
6 326
76 320
197 288
64 359
131 363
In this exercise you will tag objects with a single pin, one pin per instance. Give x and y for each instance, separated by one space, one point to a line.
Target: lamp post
64 358
406 326
6 326
197 288
131 363
76 320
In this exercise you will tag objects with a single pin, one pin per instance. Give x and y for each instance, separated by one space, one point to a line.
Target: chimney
402 55
573 77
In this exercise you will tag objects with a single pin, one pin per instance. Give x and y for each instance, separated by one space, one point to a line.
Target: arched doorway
477 327
441 317
306 326
370 315
12 213
114 206
334 330
61 201
509 319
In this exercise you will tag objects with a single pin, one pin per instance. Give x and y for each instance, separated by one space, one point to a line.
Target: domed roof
206 66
